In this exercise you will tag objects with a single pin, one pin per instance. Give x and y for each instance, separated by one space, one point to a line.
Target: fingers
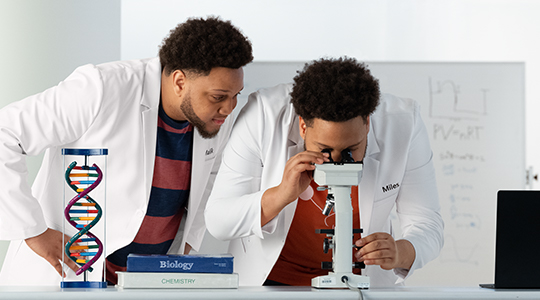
70 263
56 265
377 249
309 158
67 260
49 245
302 167
298 174
303 164
373 237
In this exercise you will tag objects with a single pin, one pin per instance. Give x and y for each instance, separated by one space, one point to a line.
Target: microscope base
334 281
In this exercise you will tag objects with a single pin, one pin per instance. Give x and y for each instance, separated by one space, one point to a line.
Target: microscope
337 178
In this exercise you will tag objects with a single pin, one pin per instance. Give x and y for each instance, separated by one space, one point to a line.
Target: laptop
517 245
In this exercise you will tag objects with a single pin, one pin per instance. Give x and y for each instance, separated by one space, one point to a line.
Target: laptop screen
517 249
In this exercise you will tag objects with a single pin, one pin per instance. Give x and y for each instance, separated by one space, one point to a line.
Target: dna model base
338 178
84 217
83 284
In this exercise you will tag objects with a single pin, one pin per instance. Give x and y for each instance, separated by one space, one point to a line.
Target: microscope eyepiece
346 156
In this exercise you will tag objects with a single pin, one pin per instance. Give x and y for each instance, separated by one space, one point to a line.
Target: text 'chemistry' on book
198 263
144 280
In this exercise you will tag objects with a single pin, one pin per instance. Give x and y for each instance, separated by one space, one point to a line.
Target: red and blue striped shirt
168 197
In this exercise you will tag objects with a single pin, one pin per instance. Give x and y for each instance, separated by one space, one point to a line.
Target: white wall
42 42
371 30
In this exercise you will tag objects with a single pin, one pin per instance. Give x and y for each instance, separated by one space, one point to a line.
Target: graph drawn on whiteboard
447 101
465 255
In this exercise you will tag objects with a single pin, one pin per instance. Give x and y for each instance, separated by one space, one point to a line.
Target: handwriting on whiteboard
448 101
457 113
457 131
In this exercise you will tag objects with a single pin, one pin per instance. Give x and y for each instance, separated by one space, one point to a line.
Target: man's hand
296 178
381 249
298 174
187 249
49 246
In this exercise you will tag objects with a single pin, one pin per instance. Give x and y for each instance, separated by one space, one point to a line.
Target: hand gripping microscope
337 178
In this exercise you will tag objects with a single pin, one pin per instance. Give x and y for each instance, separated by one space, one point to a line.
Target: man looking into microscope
265 183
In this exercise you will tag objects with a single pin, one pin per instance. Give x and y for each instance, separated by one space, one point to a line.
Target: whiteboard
474 114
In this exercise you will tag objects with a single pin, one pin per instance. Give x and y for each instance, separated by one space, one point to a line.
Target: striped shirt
168 197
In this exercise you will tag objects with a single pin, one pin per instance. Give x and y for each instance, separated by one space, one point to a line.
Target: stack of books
178 271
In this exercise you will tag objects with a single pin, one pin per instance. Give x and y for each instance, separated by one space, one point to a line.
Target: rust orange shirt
301 257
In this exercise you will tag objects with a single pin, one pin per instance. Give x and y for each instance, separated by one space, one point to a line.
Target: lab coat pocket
382 207
244 242
385 202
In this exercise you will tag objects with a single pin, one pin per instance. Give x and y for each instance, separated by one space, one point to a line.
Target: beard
192 118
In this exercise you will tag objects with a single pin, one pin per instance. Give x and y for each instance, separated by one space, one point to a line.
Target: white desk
281 293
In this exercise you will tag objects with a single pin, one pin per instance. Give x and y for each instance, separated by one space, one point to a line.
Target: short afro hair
199 45
335 90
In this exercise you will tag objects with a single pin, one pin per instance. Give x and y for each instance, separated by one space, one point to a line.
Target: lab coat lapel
295 145
367 184
149 118
203 158
199 171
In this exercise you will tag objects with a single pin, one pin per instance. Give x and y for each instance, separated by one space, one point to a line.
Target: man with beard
160 169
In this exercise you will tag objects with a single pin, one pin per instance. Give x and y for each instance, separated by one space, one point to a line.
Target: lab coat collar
296 142
149 114
372 147
152 84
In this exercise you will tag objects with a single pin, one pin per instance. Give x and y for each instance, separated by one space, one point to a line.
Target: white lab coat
266 135
115 106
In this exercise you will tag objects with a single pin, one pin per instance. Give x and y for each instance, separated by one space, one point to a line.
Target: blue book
199 263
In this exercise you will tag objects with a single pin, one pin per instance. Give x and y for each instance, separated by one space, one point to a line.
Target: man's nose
336 156
228 107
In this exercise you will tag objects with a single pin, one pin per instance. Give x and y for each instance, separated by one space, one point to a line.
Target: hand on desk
381 249
49 246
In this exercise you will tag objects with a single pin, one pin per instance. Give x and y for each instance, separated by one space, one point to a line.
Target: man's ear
302 127
179 82
367 124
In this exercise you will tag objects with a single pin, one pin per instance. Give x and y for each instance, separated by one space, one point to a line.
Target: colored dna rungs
83 212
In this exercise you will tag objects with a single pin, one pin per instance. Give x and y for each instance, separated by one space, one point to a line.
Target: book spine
176 280
194 265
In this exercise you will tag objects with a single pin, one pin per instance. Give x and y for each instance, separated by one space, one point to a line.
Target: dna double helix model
83 213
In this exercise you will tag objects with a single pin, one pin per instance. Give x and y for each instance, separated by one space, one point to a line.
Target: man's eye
219 98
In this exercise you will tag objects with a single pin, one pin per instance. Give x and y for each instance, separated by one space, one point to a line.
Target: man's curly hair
335 90
199 45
